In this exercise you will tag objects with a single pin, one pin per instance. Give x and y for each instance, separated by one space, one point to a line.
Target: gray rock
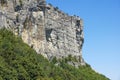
46 29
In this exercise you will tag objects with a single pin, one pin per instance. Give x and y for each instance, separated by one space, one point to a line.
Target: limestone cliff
45 28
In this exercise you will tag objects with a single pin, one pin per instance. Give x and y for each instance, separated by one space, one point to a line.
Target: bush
20 62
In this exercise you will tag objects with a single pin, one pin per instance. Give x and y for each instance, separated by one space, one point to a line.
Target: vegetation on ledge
20 62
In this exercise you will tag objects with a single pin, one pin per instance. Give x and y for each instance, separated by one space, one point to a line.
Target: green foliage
21 3
3 2
54 60
56 8
50 4
20 62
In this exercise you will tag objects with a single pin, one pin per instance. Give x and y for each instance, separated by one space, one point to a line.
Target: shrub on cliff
20 62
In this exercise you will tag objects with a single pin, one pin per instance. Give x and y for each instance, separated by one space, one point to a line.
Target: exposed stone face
48 30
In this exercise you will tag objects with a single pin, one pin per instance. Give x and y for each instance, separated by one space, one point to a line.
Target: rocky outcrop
45 28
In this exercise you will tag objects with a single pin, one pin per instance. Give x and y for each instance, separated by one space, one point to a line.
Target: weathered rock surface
45 28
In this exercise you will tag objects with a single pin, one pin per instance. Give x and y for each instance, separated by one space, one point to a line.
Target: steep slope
20 62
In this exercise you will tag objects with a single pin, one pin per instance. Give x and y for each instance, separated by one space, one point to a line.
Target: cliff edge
48 30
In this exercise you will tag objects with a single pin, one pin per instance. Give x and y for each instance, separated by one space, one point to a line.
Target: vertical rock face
64 33
45 28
